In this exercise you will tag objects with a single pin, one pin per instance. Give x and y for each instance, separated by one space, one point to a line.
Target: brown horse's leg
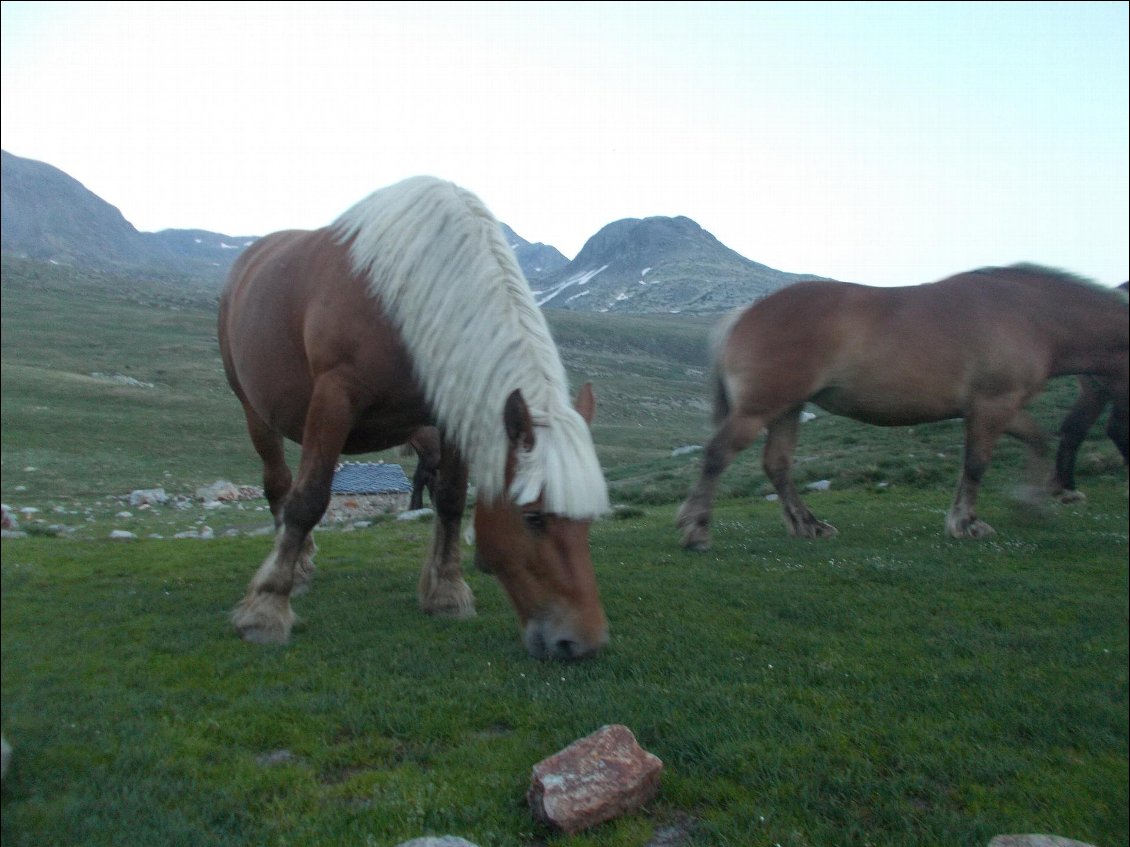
777 460
442 589
1079 420
693 518
1118 427
426 445
264 615
1024 428
276 474
983 426
277 482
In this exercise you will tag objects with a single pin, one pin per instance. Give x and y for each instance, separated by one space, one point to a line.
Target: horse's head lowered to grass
541 556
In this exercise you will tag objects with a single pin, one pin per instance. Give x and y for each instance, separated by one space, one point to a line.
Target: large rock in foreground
595 779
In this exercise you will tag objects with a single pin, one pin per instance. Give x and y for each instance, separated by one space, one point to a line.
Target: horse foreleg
442 589
777 460
693 518
264 615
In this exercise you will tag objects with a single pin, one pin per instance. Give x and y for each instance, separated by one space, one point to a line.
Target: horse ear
519 426
586 403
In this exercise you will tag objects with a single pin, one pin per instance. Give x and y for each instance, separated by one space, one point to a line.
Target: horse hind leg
983 426
735 434
441 589
277 482
1035 489
264 615
1081 417
777 460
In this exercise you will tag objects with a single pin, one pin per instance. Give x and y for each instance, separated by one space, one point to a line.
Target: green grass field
887 687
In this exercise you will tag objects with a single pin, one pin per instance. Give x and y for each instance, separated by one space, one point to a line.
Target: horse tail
718 338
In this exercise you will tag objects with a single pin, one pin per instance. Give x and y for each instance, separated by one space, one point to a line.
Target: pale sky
886 143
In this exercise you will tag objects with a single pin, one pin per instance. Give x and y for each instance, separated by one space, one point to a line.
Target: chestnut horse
410 311
1094 396
977 346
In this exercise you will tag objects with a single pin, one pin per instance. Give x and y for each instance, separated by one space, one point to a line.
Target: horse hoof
696 535
700 546
449 600
261 635
264 619
974 530
813 531
1068 496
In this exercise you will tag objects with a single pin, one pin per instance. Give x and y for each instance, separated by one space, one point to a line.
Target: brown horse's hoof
1070 495
263 619
974 530
449 600
812 529
696 530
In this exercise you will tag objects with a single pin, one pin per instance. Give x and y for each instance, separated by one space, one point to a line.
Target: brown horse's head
542 559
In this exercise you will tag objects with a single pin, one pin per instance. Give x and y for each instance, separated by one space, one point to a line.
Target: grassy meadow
890 686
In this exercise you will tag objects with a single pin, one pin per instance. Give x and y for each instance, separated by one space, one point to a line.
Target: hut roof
370 478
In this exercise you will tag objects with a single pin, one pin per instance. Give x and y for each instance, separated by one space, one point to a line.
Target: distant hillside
536 260
658 265
50 216
649 266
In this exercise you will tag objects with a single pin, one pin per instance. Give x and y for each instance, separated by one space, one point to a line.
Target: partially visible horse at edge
978 346
1093 398
426 447
410 311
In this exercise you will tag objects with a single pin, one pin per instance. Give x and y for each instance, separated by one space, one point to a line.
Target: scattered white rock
819 485
148 497
415 515
122 535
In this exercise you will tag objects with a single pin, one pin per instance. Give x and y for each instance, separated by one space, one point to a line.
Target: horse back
292 313
896 355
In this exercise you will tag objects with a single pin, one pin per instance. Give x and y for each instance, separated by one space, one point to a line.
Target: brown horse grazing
977 346
1094 396
410 311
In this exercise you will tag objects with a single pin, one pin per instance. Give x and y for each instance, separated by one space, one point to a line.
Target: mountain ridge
633 265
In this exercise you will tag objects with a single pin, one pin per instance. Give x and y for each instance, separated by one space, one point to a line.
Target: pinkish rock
595 779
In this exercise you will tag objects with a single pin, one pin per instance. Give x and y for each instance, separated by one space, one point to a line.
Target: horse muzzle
549 639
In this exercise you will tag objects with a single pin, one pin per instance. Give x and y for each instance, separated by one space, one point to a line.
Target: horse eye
535 521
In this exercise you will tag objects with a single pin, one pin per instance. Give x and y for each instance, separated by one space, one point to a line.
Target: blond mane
435 257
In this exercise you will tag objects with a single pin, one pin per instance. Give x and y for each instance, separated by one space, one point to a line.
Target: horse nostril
565 648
